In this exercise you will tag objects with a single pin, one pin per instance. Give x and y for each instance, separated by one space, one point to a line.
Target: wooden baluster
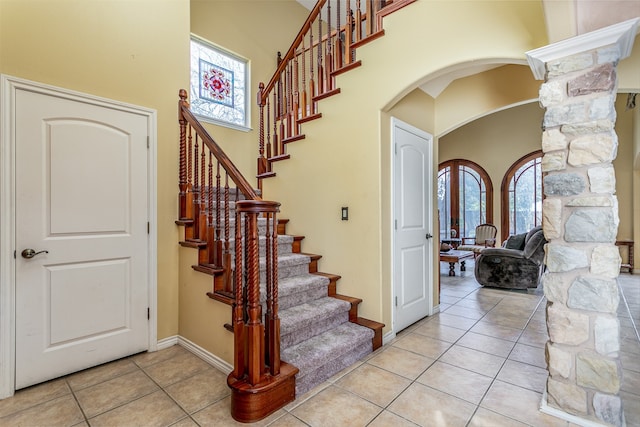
348 36
211 235
203 186
255 328
189 231
182 177
226 261
279 91
320 55
281 84
312 83
239 338
268 318
218 246
274 325
338 50
262 161
269 153
196 191
295 95
303 102
289 101
370 17
277 142
378 23
328 62
190 162
358 22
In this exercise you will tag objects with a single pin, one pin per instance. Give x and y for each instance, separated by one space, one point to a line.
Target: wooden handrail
324 47
388 6
294 46
237 177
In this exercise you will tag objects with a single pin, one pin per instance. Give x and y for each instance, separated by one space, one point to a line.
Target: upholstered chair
518 265
485 238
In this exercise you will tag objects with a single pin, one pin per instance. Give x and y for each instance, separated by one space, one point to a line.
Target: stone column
580 221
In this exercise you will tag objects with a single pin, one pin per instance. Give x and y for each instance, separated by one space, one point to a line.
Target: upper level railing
324 47
213 196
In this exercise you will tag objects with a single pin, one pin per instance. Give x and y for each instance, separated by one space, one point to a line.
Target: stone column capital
621 35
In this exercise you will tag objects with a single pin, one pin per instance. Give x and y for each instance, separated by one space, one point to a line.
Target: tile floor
480 362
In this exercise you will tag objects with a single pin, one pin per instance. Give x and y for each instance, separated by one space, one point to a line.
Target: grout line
73 393
495 377
624 298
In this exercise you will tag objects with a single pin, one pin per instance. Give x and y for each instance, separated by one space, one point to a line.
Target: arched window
522 195
465 197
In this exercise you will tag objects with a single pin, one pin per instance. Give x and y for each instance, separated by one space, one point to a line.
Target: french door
464 198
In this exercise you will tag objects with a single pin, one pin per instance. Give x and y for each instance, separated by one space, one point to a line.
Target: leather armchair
518 265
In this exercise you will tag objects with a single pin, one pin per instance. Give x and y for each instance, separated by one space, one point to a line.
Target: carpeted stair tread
289 265
304 321
300 283
285 244
331 367
285 260
330 345
298 290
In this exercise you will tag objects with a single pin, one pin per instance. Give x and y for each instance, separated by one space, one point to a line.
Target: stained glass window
219 85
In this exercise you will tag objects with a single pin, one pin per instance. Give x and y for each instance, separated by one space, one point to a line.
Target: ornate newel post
580 220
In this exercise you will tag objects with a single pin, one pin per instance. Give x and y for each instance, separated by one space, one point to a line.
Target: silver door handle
30 253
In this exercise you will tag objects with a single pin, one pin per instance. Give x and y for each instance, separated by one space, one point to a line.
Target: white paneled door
82 243
412 255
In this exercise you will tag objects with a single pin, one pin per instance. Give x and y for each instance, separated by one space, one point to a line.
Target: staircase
292 330
320 332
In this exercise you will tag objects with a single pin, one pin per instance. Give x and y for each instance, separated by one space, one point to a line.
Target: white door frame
8 87
396 123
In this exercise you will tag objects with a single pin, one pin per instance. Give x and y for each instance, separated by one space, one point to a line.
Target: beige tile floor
480 362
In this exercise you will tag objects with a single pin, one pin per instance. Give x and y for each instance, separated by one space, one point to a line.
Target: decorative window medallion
219 85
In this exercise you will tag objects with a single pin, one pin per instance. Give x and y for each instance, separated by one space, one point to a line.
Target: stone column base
545 408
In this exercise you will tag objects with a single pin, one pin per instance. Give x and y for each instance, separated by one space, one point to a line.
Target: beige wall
134 51
472 97
495 142
246 28
255 30
623 165
342 161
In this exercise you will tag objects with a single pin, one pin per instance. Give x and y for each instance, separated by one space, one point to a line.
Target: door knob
30 253
429 236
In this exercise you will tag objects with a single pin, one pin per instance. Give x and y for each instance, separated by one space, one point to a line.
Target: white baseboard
167 342
558 413
388 337
205 355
